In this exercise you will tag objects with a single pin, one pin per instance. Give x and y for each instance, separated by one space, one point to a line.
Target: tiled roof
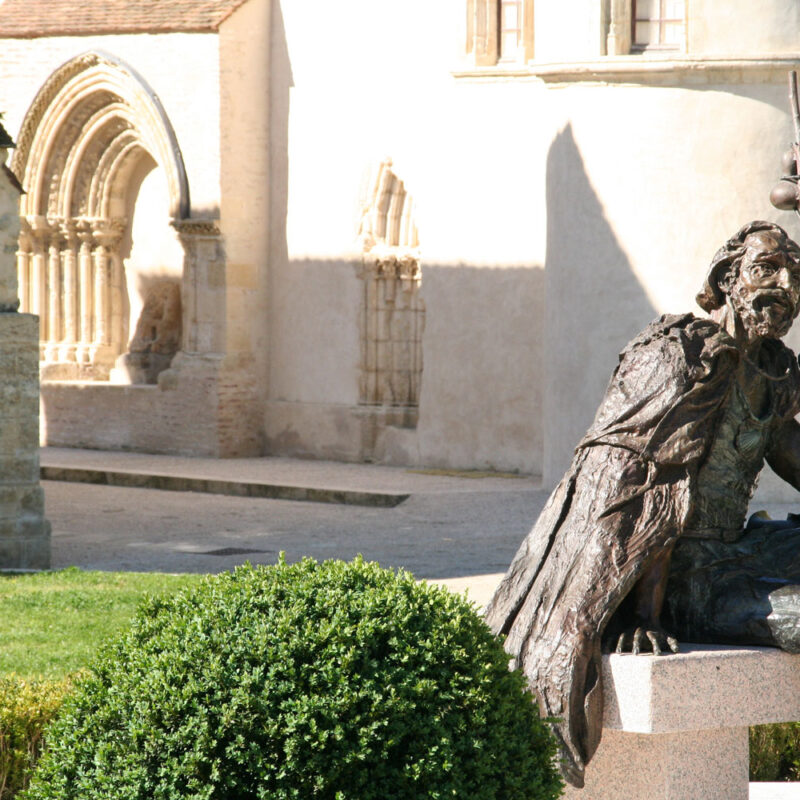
27 19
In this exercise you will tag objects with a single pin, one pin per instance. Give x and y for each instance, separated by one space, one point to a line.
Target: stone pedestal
675 727
24 532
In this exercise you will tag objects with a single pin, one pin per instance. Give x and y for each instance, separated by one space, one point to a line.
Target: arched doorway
95 148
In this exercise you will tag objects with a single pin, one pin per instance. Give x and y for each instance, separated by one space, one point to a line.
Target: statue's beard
765 313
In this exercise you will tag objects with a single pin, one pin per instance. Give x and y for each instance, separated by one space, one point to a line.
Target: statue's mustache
769 297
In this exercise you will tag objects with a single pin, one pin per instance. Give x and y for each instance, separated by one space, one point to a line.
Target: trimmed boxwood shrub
26 707
340 681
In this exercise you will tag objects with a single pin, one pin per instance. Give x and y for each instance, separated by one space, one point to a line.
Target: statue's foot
646 639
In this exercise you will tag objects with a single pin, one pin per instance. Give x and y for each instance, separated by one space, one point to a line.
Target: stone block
16 500
19 467
675 727
705 686
668 766
19 433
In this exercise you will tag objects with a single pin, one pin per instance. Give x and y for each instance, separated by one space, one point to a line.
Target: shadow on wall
481 387
482 379
594 303
280 82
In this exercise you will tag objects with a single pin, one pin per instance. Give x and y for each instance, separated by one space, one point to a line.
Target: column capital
108 232
206 228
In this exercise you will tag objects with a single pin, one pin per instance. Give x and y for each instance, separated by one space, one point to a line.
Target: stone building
24 532
409 232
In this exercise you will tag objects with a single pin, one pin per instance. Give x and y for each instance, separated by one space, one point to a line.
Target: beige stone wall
646 210
341 103
559 212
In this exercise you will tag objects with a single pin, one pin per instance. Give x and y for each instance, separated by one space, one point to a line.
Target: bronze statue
648 524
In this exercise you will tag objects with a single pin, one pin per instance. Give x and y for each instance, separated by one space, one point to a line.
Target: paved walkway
459 527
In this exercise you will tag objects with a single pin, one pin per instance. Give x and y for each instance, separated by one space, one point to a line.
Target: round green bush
334 680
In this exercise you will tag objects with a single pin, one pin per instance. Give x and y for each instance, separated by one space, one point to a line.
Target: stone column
37 267
107 234
82 352
118 341
202 286
52 334
24 253
70 274
101 299
40 230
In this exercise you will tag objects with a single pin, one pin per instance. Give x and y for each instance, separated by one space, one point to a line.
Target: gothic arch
91 125
92 103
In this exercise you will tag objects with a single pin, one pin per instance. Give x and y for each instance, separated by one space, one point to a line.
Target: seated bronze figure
644 541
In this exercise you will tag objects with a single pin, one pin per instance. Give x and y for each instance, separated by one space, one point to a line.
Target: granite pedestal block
675 727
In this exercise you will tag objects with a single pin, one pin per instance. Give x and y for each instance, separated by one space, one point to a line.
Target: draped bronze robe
625 498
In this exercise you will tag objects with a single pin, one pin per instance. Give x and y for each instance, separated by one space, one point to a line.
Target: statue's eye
762 270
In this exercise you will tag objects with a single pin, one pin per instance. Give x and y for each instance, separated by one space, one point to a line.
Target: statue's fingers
621 643
673 644
637 642
654 643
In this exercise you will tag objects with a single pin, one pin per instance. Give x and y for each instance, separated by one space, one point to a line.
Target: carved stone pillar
117 302
24 255
85 270
69 262
52 334
40 231
202 287
106 236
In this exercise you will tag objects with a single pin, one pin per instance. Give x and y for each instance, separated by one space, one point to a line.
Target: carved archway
90 127
392 312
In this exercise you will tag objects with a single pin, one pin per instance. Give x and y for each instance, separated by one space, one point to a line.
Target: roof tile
28 19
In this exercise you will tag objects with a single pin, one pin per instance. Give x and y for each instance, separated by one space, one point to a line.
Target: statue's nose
785 279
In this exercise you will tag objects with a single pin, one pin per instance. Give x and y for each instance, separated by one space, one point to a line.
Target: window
658 24
499 31
510 28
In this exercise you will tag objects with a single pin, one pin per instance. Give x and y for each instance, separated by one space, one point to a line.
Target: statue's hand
646 639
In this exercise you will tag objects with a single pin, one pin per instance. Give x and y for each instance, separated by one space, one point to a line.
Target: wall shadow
594 303
281 81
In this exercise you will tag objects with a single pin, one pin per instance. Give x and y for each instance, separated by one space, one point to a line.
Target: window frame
662 20
484 29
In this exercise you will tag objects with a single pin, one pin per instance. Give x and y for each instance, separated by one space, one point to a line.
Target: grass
52 623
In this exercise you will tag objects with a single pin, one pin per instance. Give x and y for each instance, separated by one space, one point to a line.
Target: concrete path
461 527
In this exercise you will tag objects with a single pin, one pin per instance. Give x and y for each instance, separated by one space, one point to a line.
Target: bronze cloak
624 499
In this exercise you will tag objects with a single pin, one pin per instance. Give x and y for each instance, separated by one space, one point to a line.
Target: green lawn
52 623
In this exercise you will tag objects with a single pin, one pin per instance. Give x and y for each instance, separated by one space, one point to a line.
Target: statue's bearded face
766 291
